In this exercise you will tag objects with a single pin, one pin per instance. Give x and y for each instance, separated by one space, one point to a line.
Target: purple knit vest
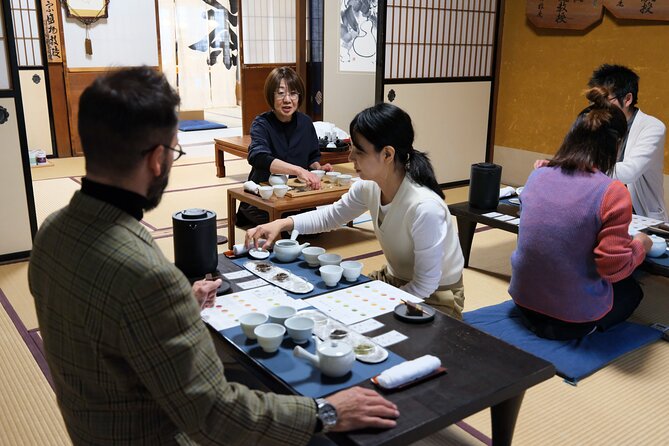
553 266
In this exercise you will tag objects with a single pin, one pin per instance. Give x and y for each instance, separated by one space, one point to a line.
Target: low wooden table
239 146
483 372
275 207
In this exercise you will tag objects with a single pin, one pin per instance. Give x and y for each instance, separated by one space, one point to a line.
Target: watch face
328 414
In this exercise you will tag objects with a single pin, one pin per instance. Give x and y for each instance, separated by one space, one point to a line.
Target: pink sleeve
616 253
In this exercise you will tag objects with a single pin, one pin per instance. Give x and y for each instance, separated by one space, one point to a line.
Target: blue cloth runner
199 124
662 260
301 375
574 359
301 268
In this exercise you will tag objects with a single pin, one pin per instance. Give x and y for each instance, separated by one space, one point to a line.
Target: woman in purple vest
573 264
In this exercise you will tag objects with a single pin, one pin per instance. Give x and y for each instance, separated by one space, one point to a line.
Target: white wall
127 38
344 94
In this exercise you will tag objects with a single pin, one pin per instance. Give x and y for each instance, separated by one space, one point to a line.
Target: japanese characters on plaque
52 30
581 14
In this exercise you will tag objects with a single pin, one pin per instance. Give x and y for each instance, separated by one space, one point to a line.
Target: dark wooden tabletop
482 372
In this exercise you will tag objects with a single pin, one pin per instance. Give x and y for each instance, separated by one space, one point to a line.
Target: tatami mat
51 195
14 283
30 414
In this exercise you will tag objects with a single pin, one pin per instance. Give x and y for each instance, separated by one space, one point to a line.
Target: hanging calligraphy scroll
639 9
52 31
564 14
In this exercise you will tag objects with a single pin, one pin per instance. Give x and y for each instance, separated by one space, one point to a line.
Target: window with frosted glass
268 31
26 33
5 83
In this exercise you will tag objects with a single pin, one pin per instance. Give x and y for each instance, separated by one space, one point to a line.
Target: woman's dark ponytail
388 125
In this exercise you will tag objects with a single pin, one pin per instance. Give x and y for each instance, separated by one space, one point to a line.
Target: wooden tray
300 189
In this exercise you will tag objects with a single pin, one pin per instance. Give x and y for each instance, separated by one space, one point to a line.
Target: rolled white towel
506 191
408 371
251 186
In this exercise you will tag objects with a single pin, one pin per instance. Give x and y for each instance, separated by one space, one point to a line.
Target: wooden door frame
494 87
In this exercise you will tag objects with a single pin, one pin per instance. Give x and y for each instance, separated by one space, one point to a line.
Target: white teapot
333 358
288 250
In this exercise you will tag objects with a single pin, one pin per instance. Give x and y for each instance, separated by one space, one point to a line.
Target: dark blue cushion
574 359
197 124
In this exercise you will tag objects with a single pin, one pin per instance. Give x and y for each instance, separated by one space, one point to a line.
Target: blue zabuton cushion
574 359
197 124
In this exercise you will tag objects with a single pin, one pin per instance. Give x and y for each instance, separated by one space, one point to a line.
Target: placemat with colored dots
357 303
228 307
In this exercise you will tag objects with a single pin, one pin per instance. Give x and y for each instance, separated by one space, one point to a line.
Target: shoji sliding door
438 63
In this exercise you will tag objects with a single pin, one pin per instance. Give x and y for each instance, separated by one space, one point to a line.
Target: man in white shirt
641 154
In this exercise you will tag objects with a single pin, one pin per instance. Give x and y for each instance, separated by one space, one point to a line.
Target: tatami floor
624 404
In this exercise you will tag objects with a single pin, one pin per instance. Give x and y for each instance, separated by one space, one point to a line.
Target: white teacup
352 270
280 190
270 336
319 173
311 254
250 321
299 328
332 176
331 274
329 259
277 178
279 314
266 192
344 180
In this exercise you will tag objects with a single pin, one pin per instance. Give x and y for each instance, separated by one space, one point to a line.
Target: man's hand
327 167
205 292
358 408
311 179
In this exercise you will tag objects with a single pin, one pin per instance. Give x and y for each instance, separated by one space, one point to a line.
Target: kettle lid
193 214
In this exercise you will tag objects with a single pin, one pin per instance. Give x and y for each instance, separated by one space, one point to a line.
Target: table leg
220 162
232 219
466 228
504 416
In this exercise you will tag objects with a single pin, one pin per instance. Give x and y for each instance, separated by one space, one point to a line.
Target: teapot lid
334 348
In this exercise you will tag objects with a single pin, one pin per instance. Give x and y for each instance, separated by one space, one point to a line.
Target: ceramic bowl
329 259
344 180
266 192
319 173
311 254
299 328
331 274
352 270
332 176
659 246
278 178
270 336
250 321
279 314
280 190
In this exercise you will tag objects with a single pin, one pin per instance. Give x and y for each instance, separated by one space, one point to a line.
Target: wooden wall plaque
639 9
564 14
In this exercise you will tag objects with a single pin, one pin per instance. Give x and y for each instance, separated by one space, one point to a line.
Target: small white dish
258 254
514 201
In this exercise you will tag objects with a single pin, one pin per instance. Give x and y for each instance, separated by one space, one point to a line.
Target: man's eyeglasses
177 151
282 94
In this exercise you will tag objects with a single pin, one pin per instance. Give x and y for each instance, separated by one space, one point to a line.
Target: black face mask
155 192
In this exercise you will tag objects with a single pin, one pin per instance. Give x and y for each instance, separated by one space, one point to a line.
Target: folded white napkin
408 371
251 186
506 191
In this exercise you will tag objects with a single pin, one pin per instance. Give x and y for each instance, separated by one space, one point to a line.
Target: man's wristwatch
326 415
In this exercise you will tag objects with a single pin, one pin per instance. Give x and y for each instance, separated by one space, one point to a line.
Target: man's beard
156 189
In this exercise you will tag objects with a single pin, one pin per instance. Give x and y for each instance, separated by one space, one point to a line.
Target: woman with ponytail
571 270
410 218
